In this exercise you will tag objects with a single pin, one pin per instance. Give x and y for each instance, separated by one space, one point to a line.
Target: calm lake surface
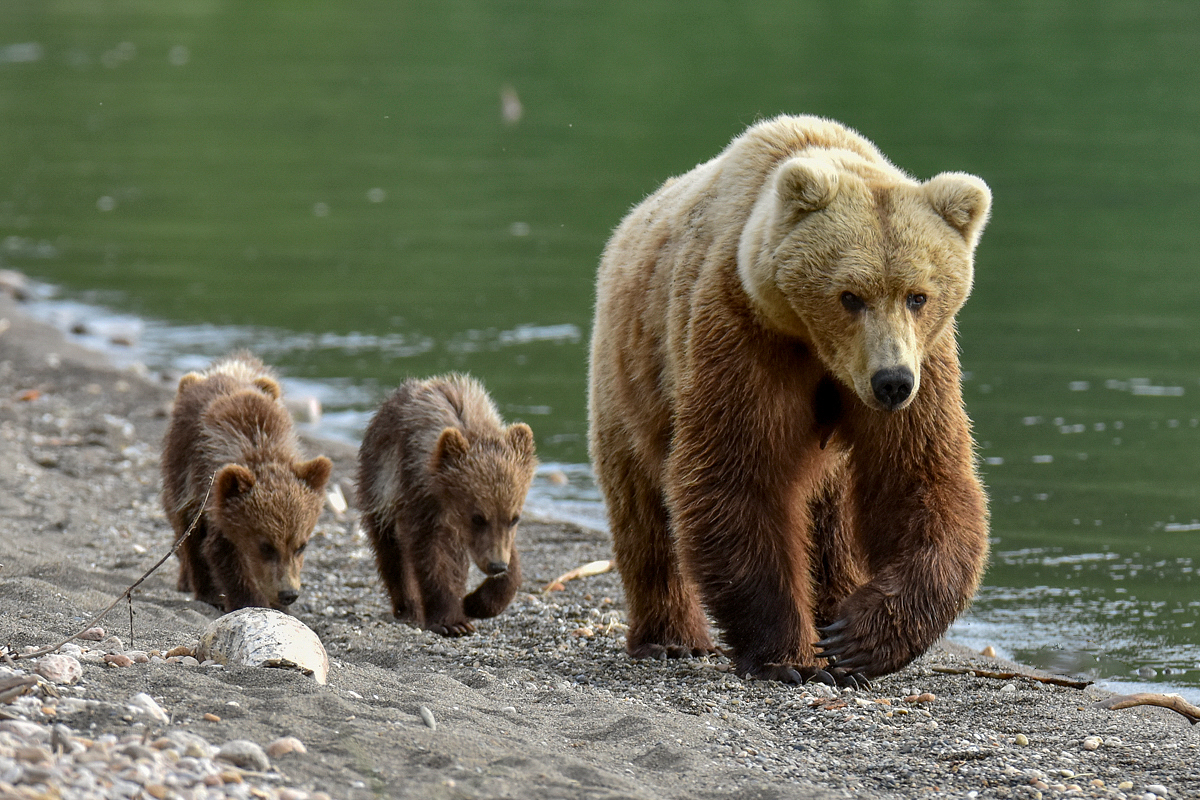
361 192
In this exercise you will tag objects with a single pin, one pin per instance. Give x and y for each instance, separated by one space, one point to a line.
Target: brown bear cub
439 479
230 431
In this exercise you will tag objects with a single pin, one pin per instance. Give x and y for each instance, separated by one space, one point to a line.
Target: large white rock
264 637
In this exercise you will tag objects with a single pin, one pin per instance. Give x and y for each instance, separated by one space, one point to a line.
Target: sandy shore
541 703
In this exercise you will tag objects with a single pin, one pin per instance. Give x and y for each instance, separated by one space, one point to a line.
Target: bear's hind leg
395 569
666 619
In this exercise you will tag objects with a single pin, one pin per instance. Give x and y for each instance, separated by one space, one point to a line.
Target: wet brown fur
229 427
747 474
441 481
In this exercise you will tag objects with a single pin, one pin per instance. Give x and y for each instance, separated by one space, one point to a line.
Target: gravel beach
541 703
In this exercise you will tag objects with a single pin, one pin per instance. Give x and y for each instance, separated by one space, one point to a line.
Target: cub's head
269 515
482 484
866 266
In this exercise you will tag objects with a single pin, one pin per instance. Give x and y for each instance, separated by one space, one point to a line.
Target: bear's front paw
661 652
797 675
459 628
854 656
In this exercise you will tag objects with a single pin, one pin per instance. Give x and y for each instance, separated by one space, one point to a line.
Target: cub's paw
459 628
661 652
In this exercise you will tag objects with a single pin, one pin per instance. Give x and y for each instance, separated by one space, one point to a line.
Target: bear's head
865 265
482 483
269 515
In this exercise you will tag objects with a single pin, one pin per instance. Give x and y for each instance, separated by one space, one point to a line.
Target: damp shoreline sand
541 703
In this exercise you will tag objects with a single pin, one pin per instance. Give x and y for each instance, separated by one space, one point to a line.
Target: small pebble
211 718
32 755
147 705
245 754
285 745
924 697
157 791
58 668
93 634
179 651
1092 743
1008 687
1022 739
118 660
427 716
1158 789
1125 786
989 652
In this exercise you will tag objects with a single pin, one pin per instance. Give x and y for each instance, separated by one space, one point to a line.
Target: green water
337 183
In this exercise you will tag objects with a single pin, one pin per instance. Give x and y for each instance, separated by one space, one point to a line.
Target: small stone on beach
1092 743
284 745
245 754
427 717
93 634
59 669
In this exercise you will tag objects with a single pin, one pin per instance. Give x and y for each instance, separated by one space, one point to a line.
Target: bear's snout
288 596
495 568
892 386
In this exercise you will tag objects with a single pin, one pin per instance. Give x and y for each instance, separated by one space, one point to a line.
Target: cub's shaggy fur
776 419
229 430
440 478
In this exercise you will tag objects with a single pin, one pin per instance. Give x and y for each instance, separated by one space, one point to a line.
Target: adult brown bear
776 417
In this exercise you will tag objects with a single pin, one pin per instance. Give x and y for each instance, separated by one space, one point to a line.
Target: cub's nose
892 386
288 596
497 567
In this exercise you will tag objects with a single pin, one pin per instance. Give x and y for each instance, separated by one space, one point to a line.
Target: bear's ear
315 472
232 480
268 386
191 379
520 439
806 184
451 446
963 200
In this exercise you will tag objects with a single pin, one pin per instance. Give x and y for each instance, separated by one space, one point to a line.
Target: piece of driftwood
586 571
1172 701
1005 676
128 593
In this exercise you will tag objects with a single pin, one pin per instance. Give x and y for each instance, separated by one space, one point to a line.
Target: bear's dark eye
516 518
852 302
268 551
479 521
301 548
915 301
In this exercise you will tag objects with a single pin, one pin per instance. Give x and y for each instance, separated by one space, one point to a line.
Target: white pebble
1158 789
427 717
58 668
1092 743
145 704
1008 687
245 754
285 745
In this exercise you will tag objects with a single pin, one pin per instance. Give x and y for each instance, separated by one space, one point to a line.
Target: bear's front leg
740 467
920 516
495 593
441 568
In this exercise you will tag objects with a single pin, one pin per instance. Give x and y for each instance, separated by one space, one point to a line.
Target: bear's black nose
497 567
892 386
288 596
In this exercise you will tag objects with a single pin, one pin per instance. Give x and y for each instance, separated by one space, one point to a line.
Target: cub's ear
451 446
963 200
191 379
315 472
520 439
232 480
806 184
268 386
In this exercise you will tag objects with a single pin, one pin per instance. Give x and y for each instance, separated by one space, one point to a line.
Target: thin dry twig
128 590
1005 676
1172 701
587 570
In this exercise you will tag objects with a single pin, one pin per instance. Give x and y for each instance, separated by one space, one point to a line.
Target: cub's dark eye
852 302
516 518
479 521
915 301
301 548
268 551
